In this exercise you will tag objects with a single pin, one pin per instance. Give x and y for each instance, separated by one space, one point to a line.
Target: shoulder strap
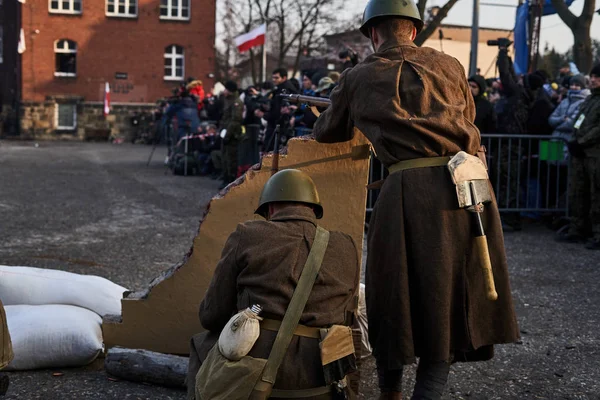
294 310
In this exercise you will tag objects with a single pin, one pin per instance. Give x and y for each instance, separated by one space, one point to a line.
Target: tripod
166 130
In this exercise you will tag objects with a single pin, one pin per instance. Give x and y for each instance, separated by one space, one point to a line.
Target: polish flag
106 99
255 37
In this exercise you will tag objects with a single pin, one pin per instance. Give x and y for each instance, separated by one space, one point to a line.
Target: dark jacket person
485 115
424 287
273 117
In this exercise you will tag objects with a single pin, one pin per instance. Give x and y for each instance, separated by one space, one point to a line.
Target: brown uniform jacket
261 264
409 101
233 115
424 287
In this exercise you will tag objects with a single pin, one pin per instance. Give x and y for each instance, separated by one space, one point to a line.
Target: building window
121 8
65 117
65 6
175 9
65 52
174 62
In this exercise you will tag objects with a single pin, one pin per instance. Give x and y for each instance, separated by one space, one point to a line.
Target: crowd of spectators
531 173
222 134
197 121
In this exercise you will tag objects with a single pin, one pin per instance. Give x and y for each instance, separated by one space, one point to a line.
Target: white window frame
56 119
61 10
178 10
116 13
63 50
173 56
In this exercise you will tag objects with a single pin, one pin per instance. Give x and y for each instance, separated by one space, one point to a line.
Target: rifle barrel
311 101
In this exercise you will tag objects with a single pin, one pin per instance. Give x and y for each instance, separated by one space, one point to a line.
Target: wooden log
147 366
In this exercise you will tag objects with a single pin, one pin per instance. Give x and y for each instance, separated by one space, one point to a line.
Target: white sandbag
363 323
53 336
37 286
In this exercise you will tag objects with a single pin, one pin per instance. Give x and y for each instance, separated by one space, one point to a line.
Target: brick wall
107 45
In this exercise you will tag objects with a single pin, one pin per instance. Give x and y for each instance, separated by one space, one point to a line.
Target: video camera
349 53
500 42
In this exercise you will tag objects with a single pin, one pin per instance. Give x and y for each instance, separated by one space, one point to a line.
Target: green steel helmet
390 8
289 185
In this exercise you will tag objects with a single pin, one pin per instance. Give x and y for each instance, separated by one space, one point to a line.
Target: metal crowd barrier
529 173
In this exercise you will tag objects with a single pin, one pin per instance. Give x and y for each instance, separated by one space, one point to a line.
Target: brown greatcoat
261 264
424 286
6 353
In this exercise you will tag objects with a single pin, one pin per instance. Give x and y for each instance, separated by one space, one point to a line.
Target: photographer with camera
349 58
512 110
513 107
185 110
273 115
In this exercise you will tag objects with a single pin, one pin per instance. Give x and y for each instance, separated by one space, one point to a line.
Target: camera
500 42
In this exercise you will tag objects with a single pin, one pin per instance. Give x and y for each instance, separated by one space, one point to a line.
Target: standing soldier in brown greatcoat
424 286
231 123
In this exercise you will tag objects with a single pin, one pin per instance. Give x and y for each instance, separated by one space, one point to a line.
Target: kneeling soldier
6 353
261 264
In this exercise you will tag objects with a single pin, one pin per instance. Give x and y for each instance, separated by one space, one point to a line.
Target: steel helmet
390 8
289 185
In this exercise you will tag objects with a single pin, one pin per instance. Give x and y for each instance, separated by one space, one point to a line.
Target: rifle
311 101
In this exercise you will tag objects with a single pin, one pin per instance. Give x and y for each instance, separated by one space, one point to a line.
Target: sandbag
36 286
53 336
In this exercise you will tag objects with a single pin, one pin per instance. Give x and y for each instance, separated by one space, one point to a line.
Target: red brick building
142 48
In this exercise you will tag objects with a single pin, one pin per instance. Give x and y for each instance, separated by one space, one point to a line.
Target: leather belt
300 393
301 330
419 163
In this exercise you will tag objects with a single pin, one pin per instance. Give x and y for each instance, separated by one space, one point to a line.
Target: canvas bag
253 378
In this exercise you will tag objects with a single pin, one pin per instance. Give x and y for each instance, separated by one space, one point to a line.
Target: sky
553 31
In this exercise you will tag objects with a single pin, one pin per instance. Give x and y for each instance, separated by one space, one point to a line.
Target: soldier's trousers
584 196
230 161
217 159
6 353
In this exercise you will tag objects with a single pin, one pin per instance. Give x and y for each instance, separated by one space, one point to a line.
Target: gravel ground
96 209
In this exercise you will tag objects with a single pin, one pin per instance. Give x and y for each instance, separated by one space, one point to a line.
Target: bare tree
434 22
295 29
432 17
580 26
226 54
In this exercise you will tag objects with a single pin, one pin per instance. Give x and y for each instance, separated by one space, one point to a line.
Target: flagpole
264 58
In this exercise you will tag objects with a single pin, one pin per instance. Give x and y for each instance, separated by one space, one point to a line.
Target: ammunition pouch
337 354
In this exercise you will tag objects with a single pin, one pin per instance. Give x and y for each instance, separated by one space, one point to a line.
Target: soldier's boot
390 396
593 244
568 235
3 384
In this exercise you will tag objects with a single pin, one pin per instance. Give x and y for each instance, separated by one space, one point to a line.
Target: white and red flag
256 37
106 99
